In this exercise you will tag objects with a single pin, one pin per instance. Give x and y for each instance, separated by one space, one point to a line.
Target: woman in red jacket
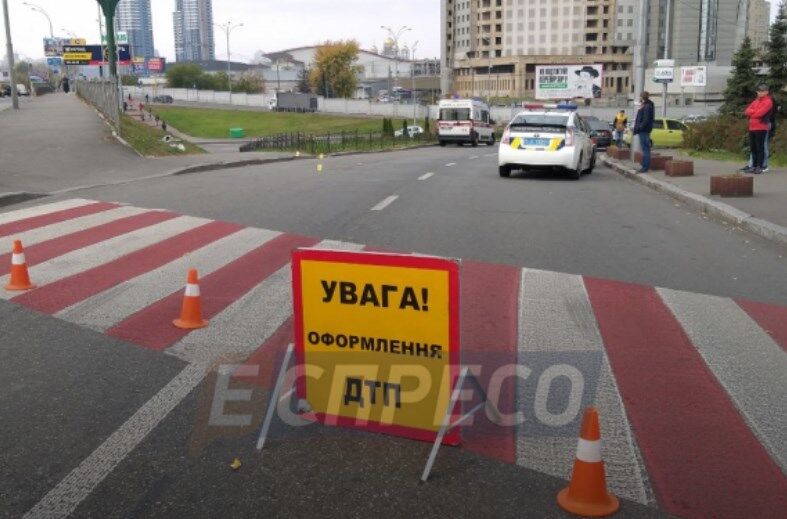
759 112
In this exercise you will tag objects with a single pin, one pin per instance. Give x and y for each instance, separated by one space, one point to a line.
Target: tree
334 71
129 80
251 83
304 87
742 84
775 57
184 75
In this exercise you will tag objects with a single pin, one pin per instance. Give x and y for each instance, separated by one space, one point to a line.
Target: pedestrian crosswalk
691 389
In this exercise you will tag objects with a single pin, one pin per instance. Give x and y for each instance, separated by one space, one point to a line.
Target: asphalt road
65 389
602 225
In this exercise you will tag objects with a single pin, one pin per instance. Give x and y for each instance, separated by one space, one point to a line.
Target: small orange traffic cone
191 311
587 494
19 279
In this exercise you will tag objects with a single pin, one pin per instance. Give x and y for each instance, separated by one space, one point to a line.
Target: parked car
5 90
694 119
667 133
545 136
600 133
22 90
164 99
412 131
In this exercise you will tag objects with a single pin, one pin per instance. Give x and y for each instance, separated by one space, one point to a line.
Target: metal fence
334 142
103 95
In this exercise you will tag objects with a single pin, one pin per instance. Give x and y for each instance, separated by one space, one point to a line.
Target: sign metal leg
266 424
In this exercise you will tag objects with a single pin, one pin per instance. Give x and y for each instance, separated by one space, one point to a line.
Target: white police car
547 136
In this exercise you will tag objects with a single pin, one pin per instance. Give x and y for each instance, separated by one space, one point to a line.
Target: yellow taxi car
667 133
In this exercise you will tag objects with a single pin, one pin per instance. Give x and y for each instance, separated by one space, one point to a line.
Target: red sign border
453 437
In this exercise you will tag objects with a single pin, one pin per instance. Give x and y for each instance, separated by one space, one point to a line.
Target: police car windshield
540 121
455 114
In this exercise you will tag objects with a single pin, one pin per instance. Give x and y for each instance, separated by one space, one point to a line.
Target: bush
724 132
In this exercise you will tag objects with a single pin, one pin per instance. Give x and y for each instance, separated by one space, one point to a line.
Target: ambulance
464 121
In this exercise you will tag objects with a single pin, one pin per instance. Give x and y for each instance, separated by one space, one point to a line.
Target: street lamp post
39 9
488 67
412 73
10 57
227 28
395 35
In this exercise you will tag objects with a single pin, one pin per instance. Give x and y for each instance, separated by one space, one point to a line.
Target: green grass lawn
147 139
777 159
215 123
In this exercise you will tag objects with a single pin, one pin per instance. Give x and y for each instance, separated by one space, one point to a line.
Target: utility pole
665 85
10 57
100 40
640 59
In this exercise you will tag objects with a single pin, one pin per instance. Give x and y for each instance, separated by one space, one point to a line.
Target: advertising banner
693 76
568 81
93 55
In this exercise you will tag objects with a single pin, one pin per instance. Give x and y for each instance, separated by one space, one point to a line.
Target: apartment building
493 46
758 23
193 27
134 18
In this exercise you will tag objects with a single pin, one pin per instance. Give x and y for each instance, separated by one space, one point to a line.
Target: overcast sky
268 25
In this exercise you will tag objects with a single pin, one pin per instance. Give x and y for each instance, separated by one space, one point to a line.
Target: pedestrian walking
64 83
619 124
643 126
147 99
759 113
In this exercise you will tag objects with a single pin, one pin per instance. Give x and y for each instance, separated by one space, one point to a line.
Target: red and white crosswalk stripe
691 388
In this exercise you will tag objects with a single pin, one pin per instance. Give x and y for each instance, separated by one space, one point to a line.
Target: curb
720 210
17 197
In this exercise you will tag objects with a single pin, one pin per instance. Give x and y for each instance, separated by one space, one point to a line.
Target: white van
464 120
22 90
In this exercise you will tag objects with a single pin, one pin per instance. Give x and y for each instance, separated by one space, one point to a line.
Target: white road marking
30 212
743 358
474 157
239 329
56 230
450 164
103 252
385 203
108 308
64 498
555 316
425 176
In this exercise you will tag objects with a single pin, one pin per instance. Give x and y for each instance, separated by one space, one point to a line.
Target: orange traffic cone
587 494
20 279
191 311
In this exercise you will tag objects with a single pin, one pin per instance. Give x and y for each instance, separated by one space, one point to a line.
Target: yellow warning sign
377 338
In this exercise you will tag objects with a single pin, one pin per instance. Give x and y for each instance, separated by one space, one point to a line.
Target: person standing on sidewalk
771 120
643 126
759 112
619 124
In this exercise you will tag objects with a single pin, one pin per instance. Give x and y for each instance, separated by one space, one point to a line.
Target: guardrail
332 142
104 96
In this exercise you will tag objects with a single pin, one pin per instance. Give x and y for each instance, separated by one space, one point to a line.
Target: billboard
693 76
568 81
155 64
93 55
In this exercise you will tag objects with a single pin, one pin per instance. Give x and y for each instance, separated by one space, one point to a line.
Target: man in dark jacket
643 126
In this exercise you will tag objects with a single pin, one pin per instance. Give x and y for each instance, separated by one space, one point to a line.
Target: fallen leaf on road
235 465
